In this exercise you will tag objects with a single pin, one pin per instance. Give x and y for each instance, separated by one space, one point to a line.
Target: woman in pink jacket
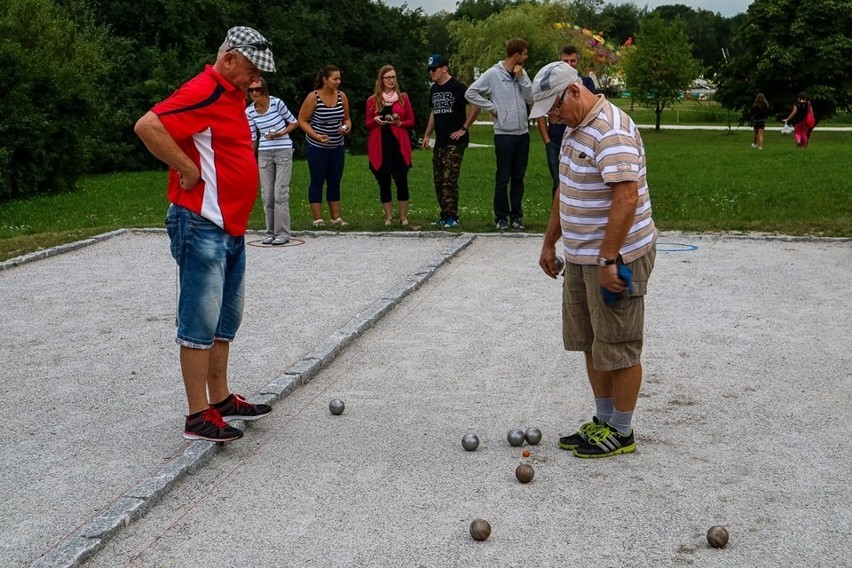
389 116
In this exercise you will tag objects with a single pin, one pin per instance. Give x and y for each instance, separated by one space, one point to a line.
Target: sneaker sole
625 450
245 418
569 447
190 436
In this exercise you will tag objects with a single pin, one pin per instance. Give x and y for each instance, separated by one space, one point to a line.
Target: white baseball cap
549 83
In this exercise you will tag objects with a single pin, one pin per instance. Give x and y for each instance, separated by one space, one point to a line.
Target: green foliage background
660 66
49 126
787 46
78 73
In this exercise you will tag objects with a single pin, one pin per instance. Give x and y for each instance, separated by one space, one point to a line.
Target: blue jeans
212 267
513 151
326 167
553 149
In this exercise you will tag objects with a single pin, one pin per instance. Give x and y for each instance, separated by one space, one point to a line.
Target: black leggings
400 177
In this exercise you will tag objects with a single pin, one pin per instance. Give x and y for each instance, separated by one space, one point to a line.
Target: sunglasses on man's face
557 104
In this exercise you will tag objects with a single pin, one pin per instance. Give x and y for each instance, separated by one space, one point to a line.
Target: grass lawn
692 112
699 180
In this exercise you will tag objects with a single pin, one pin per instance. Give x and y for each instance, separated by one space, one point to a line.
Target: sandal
388 222
403 222
339 222
319 223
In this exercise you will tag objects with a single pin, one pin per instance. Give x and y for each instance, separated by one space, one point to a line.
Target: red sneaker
236 407
208 425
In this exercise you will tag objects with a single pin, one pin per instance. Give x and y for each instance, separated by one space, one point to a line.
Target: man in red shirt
202 133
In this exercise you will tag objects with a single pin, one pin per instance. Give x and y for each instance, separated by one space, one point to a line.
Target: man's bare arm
158 141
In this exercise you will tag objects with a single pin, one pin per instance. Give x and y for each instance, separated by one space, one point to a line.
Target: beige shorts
613 334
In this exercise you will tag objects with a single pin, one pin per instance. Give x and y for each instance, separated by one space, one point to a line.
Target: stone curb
59 249
305 370
136 502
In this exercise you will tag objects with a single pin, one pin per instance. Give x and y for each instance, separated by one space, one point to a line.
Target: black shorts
759 125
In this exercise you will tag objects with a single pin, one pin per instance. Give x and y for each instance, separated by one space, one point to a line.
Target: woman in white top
271 123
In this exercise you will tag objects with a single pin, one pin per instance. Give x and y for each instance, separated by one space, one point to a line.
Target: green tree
788 46
618 22
53 69
479 45
707 31
475 10
437 35
659 66
360 37
155 46
586 13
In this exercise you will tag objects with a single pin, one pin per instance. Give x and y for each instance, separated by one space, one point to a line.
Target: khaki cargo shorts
613 334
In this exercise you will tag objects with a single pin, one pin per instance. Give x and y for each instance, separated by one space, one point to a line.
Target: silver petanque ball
533 436
336 407
470 442
516 437
560 265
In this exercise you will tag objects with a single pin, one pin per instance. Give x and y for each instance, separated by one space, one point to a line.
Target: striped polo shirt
276 118
327 120
604 149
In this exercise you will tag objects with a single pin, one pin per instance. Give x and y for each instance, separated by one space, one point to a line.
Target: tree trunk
659 111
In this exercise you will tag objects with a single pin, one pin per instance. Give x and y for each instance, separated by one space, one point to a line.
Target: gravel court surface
743 412
91 381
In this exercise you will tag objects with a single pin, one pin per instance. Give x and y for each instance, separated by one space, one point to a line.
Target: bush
52 69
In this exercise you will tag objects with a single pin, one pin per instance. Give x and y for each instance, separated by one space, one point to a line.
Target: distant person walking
759 114
202 133
802 117
324 117
602 215
450 122
505 90
551 133
389 117
271 123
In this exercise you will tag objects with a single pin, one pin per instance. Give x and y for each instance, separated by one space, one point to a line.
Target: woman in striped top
324 117
271 123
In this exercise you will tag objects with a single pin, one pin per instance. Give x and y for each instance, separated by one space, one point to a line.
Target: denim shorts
212 267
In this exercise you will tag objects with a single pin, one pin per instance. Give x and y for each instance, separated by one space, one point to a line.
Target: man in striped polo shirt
602 211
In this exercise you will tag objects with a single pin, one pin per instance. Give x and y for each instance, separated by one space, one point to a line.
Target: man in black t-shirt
449 121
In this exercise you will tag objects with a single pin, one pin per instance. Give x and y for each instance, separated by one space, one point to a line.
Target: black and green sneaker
581 435
605 441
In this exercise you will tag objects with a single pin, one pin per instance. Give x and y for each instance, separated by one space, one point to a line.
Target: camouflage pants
446 165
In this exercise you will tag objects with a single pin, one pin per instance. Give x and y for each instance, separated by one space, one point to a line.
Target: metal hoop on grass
259 243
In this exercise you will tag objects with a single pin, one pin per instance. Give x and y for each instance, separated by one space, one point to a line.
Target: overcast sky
727 8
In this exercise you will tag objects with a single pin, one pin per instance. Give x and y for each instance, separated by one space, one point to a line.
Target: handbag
810 121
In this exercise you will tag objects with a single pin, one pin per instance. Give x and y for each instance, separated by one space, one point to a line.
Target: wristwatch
605 262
